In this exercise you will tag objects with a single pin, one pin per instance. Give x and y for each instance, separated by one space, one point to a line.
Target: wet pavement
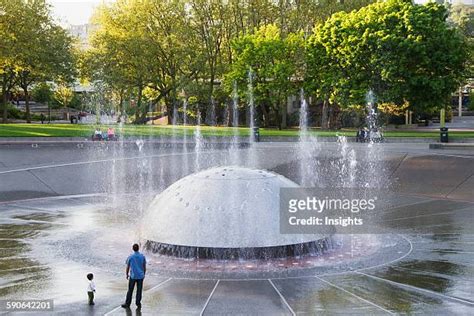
49 244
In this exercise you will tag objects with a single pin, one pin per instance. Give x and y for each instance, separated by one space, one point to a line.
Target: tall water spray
252 159
347 164
198 142
234 148
307 147
117 184
371 118
251 104
303 116
374 169
175 116
175 165
185 112
235 105
185 137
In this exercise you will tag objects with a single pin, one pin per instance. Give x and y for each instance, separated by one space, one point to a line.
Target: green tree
145 43
121 53
276 65
462 17
401 51
63 95
45 49
208 23
42 93
11 20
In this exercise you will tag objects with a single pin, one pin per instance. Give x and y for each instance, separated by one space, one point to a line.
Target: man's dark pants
131 285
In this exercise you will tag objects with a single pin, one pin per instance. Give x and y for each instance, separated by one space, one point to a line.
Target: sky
73 12
77 12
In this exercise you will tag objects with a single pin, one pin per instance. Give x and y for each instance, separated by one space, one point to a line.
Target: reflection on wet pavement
48 247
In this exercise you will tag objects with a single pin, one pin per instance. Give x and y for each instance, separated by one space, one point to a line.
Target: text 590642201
26 305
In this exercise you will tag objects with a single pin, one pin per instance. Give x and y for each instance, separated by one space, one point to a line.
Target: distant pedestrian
360 137
42 118
91 288
135 273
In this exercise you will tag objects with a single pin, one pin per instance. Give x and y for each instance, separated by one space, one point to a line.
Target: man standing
135 272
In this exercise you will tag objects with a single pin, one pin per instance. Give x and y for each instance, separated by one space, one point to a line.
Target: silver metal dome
223 207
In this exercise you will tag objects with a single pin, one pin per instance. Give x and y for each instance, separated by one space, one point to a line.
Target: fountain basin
225 213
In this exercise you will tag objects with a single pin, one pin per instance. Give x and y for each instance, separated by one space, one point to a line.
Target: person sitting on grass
97 134
91 288
110 133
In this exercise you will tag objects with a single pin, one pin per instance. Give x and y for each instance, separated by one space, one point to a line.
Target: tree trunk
169 111
264 114
211 85
325 115
170 103
27 104
228 116
277 116
4 98
284 123
140 114
121 103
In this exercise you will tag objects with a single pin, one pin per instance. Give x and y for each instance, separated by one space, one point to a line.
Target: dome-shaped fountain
225 213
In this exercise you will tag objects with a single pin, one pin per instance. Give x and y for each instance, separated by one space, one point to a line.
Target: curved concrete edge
118 144
85 141
469 146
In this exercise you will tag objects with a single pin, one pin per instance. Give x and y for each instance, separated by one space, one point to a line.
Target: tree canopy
175 45
35 50
401 51
149 53
275 63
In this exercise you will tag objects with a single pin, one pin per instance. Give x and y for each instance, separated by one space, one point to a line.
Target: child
90 288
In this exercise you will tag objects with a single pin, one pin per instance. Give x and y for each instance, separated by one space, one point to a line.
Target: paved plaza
57 224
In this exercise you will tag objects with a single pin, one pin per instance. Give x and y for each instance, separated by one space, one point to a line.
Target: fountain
223 223
239 220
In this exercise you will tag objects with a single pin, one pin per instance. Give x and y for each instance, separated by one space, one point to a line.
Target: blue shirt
136 261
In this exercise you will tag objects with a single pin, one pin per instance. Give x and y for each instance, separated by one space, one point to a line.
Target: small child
90 288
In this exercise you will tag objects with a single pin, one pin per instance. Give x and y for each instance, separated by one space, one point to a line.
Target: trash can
443 134
256 134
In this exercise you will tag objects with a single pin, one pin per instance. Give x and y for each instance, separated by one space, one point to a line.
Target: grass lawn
79 130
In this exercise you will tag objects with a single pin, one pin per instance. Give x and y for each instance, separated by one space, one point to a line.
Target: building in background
82 33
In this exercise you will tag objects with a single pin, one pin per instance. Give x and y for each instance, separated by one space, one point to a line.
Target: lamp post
49 112
443 131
